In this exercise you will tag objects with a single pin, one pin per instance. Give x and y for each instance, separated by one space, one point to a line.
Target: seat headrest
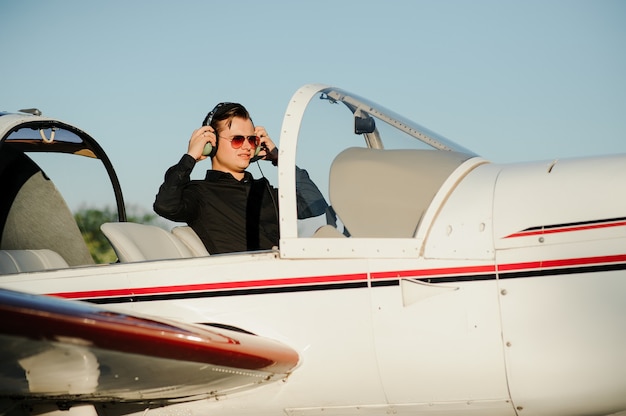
139 242
19 261
384 193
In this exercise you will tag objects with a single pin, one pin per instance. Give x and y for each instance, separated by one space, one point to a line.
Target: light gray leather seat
188 236
19 261
384 193
139 242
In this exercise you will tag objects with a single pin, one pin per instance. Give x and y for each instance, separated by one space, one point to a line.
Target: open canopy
28 133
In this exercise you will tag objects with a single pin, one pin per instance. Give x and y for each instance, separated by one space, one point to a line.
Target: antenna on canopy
33 111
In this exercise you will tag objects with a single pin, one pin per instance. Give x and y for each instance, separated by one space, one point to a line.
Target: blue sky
511 80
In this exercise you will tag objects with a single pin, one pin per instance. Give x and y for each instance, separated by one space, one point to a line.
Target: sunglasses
237 141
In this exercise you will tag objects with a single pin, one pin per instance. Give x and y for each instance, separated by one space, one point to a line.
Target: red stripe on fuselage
548 264
444 271
347 278
202 287
566 229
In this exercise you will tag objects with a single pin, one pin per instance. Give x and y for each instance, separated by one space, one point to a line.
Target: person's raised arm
170 202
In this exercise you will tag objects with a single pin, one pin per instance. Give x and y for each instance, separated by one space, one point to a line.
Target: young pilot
229 209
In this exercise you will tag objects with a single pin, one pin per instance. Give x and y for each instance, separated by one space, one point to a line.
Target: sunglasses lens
238 141
254 141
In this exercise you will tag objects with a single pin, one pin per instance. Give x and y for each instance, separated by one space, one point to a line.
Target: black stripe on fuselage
574 224
357 285
564 271
230 292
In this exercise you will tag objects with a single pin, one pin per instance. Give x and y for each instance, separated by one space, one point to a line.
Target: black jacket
230 215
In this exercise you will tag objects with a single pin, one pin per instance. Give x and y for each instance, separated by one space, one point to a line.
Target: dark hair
226 111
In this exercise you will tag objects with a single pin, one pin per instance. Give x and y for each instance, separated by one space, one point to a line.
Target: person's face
227 159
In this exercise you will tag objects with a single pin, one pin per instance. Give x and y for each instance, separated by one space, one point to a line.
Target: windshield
399 161
393 130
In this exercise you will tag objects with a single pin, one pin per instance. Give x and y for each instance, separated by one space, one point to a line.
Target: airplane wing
54 349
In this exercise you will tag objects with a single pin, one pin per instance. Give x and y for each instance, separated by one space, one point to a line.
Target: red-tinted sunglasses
237 141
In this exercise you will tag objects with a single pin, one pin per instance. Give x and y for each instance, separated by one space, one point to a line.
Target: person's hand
269 150
199 138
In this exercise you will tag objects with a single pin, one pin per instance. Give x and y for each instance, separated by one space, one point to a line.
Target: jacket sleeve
310 201
170 202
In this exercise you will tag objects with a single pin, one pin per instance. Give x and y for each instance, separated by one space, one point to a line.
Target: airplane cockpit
378 171
37 228
383 177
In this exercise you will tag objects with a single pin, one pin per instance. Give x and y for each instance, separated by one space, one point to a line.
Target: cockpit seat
384 193
19 261
33 214
139 242
188 236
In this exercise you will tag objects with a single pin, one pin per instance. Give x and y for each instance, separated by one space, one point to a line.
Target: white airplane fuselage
508 300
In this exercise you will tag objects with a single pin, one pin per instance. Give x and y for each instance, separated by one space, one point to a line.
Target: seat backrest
138 242
18 261
384 193
188 236
33 214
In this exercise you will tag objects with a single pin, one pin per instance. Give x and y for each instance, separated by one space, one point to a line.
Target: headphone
209 149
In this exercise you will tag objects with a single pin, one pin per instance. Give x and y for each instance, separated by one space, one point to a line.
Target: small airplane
439 284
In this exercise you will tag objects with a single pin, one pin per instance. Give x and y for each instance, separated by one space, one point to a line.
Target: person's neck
237 175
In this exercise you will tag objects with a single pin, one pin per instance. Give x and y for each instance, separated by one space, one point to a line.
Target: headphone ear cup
208 150
257 150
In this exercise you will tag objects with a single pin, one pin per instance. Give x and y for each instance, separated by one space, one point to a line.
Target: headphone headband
209 117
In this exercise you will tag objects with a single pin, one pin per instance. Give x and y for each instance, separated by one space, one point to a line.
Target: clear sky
511 80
